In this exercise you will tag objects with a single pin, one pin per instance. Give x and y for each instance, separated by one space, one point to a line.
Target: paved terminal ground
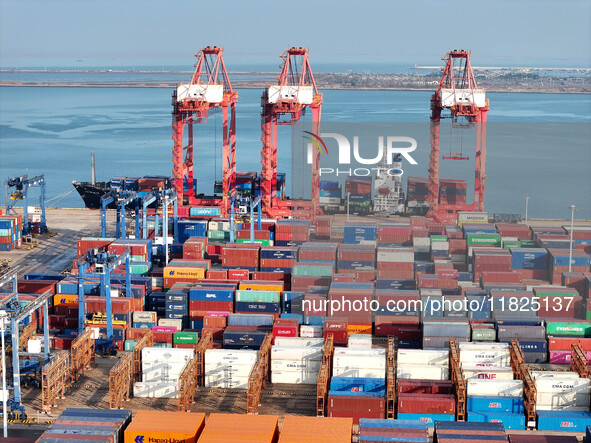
54 254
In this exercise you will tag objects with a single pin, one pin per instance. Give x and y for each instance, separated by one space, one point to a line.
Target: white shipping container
234 356
562 408
168 355
554 374
558 400
563 385
423 372
293 353
500 388
296 365
298 342
359 361
359 341
430 292
487 373
171 322
392 255
497 358
162 369
310 331
155 390
472 217
144 316
421 241
358 372
440 246
226 383
423 357
295 377
482 346
339 350
229 370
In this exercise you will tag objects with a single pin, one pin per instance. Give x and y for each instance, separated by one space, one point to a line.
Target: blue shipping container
571 421
430 419
477 403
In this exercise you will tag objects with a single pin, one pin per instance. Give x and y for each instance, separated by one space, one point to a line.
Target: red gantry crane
209 88
458 93
294 91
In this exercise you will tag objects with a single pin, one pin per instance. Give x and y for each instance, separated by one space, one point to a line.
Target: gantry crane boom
458 93
209 88
294 91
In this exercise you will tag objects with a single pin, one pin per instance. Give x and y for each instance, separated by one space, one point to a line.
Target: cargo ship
92 191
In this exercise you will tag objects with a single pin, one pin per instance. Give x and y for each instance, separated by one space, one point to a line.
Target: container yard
372 310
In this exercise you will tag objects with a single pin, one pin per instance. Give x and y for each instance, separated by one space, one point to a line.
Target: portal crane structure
21 185
294 92
457 93
209 88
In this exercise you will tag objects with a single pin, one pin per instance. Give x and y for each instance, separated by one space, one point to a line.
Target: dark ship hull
91 194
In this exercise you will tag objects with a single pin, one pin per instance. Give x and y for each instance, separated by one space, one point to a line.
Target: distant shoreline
245 85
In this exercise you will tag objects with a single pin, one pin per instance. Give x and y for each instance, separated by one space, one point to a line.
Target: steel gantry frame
205 343
324 376
209 88
120 382
294 91
55 380
521 372
22 185
457 378
259 376
145 341
458 93
81 354
391 377
187 386
579 362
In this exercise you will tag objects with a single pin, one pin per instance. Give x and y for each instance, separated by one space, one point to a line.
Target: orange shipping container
262 285
165 426
232 428
65 300
298 429
359 328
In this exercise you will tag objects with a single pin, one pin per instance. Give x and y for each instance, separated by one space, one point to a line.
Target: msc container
481 403
507 419
179 427
571 421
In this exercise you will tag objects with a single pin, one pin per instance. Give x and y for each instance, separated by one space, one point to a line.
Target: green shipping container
552 293
528 244
484 334
258 296
262 241
568 328
483 239
5 232
129 344
218 235
438 238
511 244
139 268
187 337
311 270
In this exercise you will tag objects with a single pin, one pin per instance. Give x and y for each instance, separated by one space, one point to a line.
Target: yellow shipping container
180 272
262 285
165 426
238 428
65 300
359 328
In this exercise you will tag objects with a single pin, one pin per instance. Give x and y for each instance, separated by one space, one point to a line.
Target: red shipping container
426 403
36 286
220 274
215 321
163 336
258 235
83 245
500 277
561 307
239 274
365 276
285 330
356 407
62 342
565 343
210 305
343 278
411 386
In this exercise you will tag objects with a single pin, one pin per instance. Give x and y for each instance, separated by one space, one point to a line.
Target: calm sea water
54 130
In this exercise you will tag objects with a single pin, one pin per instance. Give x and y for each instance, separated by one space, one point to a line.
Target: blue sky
168 32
